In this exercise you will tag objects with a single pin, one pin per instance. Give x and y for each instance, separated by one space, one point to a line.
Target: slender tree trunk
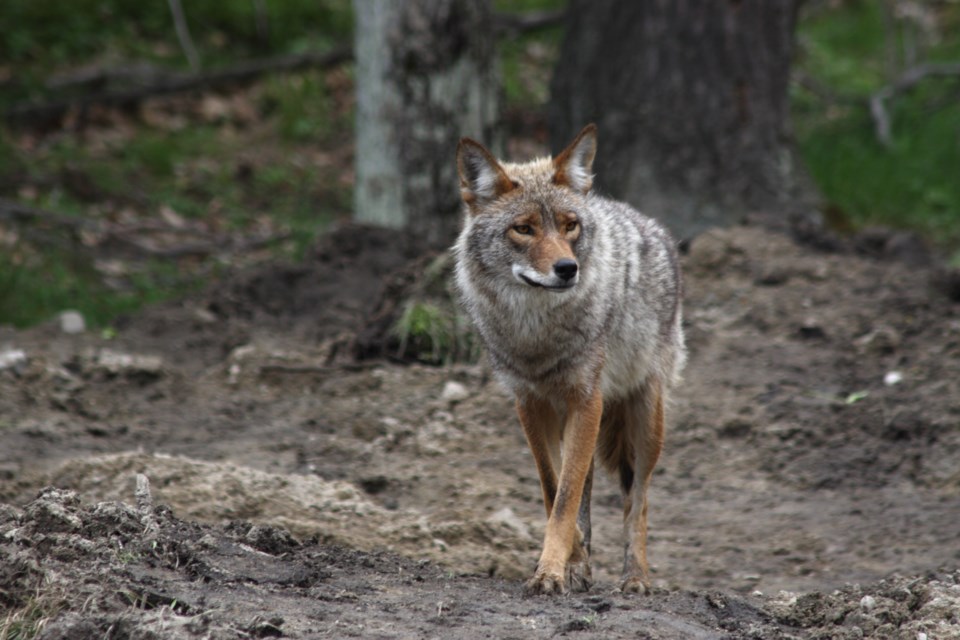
425 76
690 97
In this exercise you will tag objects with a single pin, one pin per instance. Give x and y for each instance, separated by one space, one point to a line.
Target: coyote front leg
563 541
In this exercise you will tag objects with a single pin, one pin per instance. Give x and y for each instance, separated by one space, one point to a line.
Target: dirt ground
810 486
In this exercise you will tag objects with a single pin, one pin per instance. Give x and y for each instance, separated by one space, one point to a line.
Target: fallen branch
907 81
157 82
134 235
173 82
19 212
317 368
518 23
90 78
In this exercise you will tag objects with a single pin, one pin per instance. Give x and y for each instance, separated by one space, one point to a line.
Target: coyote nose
565 268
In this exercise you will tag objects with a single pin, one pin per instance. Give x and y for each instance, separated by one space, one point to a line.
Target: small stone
882 340
454 392
205 316
892 378
868 603
116 363
72 322
12 358
812 329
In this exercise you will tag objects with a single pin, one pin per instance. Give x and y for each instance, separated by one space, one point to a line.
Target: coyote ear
574 163
481 176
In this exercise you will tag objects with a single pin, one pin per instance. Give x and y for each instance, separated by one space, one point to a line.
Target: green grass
195 172
913 183
29 620
37 288
233 175
236 175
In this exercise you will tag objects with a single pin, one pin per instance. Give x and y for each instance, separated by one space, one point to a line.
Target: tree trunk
690 98
425 76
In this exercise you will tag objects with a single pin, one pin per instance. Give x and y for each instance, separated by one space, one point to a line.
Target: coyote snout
562 277
591 369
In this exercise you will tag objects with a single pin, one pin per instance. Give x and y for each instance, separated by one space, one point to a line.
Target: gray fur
577 299
625 308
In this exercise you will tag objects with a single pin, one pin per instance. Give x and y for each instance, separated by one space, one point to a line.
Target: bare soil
810 487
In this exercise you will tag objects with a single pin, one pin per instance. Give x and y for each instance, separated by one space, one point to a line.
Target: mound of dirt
332 512
114 570
810 461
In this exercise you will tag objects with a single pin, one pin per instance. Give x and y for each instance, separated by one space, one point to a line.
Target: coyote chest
535 339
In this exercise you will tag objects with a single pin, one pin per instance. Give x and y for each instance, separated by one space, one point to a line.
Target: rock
117 363
454 392
868 603
72 322
12 358
892 378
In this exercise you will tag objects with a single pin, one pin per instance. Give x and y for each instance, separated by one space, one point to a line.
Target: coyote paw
545 583
635 584
579 576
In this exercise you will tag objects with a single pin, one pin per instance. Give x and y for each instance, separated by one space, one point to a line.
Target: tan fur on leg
645 423
562 538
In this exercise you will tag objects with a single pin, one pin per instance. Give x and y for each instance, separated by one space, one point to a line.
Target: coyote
576 298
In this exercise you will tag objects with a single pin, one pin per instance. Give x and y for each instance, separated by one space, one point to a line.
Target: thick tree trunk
690 98
426 76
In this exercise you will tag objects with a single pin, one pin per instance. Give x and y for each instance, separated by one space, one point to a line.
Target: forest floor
810 485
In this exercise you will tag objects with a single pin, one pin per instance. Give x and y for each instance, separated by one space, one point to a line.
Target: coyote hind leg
579 576
643 424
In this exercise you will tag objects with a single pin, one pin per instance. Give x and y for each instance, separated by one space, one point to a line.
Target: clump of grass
431 328
28 621
426 331
436 334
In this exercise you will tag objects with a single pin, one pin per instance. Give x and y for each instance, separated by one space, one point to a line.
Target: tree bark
425 76
690 98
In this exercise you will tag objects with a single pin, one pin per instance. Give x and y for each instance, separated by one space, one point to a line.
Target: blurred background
147 146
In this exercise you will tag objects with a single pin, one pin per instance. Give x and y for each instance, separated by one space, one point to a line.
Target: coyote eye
572 226
523 229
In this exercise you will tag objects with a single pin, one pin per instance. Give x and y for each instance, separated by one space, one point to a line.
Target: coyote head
532 219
